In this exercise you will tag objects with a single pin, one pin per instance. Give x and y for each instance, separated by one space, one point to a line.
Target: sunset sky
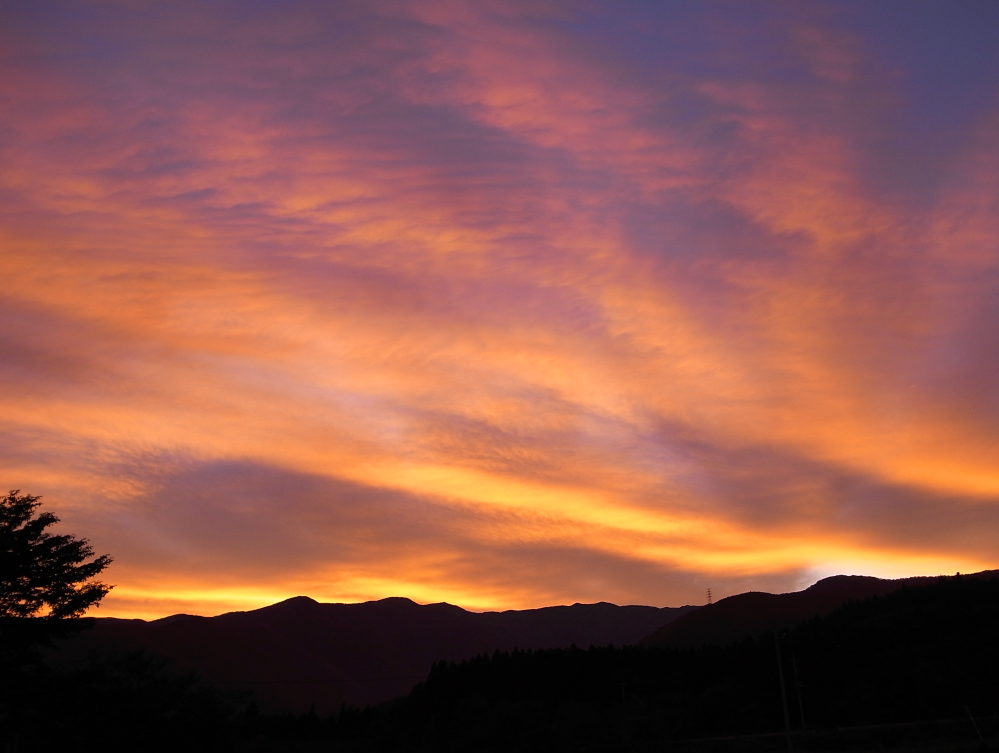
504 304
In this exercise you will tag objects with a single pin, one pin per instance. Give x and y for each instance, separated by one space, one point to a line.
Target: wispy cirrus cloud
497 304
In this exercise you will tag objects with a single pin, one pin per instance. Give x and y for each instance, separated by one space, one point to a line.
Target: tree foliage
43 574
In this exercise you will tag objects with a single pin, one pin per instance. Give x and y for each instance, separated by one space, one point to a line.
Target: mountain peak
838 582
176 618
394 601
296 603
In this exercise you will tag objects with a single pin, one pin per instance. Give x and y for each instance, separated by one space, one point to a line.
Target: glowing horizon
504 304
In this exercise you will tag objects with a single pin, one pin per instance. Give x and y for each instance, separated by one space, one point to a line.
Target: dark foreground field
917 669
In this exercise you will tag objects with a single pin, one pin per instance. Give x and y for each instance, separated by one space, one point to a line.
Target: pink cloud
419 293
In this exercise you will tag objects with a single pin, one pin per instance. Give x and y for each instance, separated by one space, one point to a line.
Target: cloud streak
502 304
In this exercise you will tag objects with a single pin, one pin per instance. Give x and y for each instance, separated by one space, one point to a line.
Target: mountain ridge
748 614
299 651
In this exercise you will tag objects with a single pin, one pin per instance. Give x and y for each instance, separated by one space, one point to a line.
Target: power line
316 682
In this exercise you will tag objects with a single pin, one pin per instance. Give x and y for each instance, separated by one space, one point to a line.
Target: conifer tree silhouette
43 574
47 583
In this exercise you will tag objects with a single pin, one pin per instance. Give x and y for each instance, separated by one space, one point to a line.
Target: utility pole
982 739
783 695
797 687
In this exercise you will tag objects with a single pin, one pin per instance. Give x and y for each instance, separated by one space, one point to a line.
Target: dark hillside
918 655
300 652
749 614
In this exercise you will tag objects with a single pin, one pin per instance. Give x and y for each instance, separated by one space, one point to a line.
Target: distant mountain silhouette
750 614
913 670
299 651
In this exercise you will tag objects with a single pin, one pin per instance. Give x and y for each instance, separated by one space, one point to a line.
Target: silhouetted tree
42 574
47 582
108 702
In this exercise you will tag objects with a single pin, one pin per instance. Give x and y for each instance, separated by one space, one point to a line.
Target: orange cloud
449 307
